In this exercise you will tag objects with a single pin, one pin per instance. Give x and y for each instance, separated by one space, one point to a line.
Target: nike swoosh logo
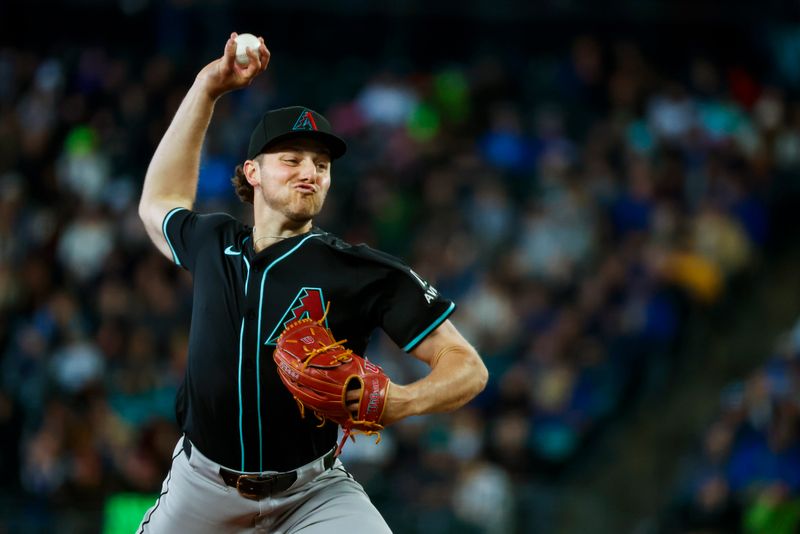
230 252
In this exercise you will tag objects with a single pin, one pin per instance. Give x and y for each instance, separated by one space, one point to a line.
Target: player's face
295 177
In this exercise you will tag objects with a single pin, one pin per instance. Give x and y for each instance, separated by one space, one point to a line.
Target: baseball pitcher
282 312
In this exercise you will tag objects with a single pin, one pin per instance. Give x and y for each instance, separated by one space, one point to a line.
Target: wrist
210 83
399 403
205 89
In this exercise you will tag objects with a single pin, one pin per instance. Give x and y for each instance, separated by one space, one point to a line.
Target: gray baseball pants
195 499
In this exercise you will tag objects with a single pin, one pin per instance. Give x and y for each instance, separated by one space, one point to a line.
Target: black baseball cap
295 121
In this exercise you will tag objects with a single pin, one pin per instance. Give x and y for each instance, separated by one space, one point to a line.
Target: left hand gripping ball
243 42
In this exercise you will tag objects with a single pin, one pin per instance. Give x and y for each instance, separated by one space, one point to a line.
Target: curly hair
243 189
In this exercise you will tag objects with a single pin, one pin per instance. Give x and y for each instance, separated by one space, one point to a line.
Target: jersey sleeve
187 232
409 308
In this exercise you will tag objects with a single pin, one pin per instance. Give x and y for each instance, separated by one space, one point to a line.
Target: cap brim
334 144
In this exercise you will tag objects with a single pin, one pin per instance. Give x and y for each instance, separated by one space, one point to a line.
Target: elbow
146 202
481 376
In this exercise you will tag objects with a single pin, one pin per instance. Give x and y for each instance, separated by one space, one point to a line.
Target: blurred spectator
746 477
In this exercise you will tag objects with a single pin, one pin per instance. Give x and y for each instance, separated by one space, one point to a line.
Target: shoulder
189 234
374 264
207 221
194 229
361 251
221 220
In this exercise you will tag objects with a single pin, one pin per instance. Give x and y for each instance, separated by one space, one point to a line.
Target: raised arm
457 375
171 179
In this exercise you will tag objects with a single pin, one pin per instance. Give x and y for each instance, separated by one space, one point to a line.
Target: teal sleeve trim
164 231
414 342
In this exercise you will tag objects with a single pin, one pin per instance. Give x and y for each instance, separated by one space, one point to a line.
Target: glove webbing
374 428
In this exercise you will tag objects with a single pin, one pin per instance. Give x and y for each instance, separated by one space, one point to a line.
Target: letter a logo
305 122
308 303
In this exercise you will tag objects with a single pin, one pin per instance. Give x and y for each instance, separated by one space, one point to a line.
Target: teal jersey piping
169 215
428 330
247 279
241 433
258 345
241 337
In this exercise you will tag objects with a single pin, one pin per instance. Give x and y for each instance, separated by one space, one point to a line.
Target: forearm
175 166
457 376
171 178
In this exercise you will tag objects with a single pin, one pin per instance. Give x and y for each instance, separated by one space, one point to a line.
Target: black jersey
232 404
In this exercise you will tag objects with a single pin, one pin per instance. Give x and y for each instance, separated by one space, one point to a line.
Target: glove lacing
374 428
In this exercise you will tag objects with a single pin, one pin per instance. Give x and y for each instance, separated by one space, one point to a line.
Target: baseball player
249 460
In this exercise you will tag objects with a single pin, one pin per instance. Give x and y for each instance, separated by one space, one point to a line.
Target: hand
393 411
352 397
225 74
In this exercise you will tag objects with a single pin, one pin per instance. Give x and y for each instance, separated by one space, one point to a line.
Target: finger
231 40
255 61
229 55
353 395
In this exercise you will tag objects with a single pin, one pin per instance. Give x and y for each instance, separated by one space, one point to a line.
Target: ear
252 171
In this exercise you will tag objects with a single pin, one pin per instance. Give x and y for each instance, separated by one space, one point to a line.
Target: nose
308 170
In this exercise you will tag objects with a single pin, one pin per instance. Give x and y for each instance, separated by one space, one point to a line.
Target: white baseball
243 42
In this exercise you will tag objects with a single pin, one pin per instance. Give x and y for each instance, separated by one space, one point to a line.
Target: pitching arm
171 178
457 376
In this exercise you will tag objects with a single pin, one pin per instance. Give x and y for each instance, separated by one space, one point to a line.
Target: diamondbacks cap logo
305 122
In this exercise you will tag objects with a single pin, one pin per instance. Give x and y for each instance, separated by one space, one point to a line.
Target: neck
265 234
272 225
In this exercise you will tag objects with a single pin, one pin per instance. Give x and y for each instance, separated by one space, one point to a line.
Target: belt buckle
256 479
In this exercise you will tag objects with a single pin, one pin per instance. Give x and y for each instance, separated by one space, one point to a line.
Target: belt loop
187 448
329 460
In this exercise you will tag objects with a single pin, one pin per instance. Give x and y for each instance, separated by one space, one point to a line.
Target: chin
302 215
305 210
297 209
298 218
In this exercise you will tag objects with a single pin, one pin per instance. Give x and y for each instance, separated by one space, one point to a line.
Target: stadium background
608 190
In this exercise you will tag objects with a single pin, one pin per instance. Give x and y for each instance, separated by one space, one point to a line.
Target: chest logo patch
308 303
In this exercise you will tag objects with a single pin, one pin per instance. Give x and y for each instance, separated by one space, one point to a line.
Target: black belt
257 487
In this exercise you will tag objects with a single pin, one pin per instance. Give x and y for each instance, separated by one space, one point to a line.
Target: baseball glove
319 371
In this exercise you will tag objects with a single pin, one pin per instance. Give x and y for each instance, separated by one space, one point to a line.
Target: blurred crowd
745 475
575 207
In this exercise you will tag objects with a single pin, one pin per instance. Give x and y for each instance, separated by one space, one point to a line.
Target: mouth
306 188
